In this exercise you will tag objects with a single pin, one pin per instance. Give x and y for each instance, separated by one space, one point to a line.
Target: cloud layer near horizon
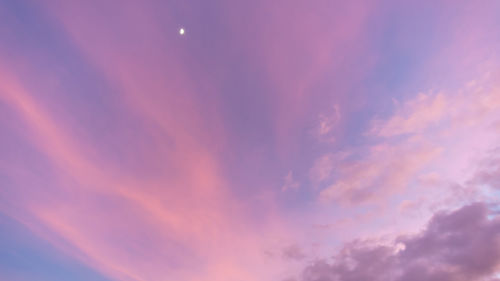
455 246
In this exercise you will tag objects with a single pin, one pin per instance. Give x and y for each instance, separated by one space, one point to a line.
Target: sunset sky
258 140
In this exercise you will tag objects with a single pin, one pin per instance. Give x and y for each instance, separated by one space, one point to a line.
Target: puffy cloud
455 246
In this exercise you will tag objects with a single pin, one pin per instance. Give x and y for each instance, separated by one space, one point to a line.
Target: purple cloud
293 252
455 246
489 170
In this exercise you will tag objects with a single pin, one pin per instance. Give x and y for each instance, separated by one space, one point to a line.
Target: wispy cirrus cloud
138 153
414 116
385 170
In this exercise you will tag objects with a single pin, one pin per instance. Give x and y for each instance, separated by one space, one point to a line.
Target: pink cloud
406 143
322 168
177 210
328 123
127 226
385 170
290 182
414 116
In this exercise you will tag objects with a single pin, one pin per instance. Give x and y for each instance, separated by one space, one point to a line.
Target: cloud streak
268 134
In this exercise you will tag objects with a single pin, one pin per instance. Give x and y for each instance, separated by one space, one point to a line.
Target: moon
181 31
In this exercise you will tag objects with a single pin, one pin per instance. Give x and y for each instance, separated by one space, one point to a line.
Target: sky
231 140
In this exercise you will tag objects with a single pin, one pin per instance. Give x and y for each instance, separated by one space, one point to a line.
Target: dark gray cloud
463 245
